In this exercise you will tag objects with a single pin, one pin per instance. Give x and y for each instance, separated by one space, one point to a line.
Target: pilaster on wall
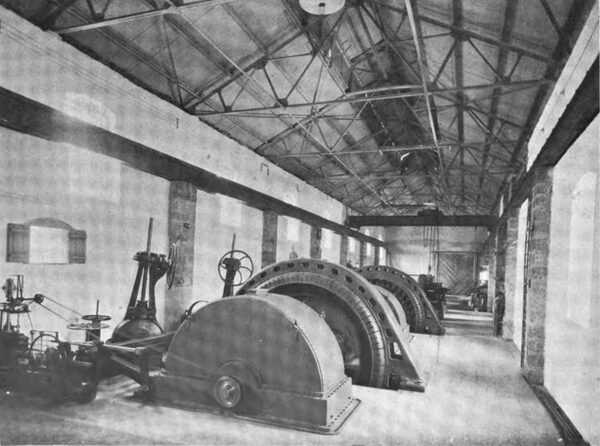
343 250
510 274
499 275
377 254
537 277
181 229
491 250
500 258
315 242
269 239
362 255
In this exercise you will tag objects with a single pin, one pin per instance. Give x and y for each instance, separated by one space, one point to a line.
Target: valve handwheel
96 317
172 262
236 260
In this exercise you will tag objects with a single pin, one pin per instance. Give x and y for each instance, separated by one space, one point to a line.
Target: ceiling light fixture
322 7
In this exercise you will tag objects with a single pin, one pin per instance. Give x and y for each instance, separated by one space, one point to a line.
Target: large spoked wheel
342 297
172 262
352 338
238 260
408 297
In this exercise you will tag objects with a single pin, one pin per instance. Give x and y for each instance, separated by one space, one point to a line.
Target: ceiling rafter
479 130
510 16
379 67
359 97
477 36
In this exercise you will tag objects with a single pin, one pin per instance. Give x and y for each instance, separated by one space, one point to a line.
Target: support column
269 239
376 251
537 277
182 231
499 298
343 250
315 242
510 275
362 254
491 293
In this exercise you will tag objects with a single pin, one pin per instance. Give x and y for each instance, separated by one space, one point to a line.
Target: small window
45 241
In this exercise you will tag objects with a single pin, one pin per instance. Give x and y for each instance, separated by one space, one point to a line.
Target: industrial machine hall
299 222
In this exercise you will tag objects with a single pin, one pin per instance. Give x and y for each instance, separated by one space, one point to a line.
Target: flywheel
420 314
366 328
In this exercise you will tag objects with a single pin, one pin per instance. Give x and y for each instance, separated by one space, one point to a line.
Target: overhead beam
356 221
457 18
138 16
384 149
30 117
359 97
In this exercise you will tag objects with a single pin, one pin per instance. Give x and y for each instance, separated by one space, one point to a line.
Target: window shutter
17 244
77 246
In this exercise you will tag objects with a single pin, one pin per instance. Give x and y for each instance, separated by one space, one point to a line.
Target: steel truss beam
359 97
383 149
139 16
475 35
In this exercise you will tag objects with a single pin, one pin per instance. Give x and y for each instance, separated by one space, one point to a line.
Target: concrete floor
475 396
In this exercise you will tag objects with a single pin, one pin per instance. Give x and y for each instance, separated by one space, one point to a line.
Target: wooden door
457 271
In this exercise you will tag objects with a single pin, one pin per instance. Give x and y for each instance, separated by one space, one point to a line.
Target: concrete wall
572 363
406 250
110 201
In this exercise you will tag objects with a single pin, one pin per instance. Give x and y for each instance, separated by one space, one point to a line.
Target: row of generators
284 350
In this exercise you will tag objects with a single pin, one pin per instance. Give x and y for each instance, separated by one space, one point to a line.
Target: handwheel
96 317
235 260
172 262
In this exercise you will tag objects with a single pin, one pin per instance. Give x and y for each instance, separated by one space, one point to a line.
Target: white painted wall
109 200
572 362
